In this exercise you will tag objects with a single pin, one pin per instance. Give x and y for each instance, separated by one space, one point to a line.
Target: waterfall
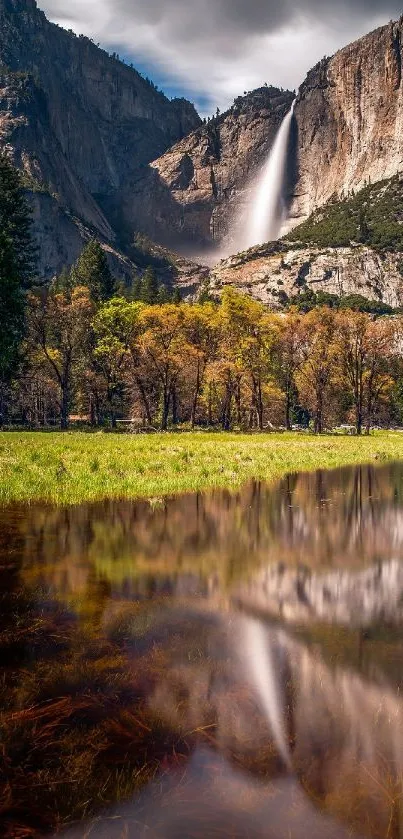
263 674
267 214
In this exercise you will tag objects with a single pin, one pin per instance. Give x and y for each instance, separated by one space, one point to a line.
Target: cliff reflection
338 520
208 665
322 758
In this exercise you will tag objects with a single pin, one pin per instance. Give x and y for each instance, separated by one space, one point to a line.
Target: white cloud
217 49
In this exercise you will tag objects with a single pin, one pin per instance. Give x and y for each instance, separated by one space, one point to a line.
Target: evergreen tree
364 230
205 296
64 282
136 289
163 296
92 271
16 266
149 287
176 296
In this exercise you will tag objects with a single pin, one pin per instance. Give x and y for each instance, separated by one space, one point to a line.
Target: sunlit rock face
349 118
270 270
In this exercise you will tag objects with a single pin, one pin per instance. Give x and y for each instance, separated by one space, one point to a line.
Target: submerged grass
69 468
75 731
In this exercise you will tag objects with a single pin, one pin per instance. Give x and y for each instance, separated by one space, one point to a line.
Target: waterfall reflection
322 757
222 664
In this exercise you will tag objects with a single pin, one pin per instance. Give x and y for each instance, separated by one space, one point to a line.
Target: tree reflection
149 658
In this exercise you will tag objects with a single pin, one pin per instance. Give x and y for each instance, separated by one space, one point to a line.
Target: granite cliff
274 272
349 120
189 195
104 152
346 133
78 123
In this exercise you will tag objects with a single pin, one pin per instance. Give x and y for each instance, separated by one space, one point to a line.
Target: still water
219 665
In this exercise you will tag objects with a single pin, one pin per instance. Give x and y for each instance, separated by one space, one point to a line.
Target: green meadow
73 467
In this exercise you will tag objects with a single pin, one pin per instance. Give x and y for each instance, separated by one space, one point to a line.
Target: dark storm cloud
198 18
217 48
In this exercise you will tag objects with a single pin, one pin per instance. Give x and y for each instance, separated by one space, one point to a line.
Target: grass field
73 467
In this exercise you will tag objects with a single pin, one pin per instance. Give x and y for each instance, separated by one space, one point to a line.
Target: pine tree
205 296
364 231
149 287
64 282
163 296
92 271
16 266
136 289
176 296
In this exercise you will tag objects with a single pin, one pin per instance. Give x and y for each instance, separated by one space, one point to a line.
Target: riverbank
74 467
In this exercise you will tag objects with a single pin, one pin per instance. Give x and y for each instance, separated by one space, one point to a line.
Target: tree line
231 365
83 348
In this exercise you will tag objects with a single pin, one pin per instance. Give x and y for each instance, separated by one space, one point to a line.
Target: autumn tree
227 372
288 355
202 336
116 328
316 374
164 350
232 363
248 339
382 338
356 348
59 329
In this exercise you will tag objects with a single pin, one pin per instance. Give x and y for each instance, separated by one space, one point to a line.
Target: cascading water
267 207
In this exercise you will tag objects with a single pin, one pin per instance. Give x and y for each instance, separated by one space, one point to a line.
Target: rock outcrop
272 271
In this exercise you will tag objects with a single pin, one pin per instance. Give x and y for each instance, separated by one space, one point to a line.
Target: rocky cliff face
347 132
76 121
102 150
189 195
269 272
351 246
105 117
349 120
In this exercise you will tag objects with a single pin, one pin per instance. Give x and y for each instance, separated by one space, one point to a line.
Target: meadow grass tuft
73 467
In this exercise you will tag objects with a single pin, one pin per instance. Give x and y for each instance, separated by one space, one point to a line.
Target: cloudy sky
213 50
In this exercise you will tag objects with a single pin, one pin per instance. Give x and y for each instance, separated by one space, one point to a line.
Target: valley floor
75 467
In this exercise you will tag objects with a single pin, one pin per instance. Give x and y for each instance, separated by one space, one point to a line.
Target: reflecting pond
207 665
